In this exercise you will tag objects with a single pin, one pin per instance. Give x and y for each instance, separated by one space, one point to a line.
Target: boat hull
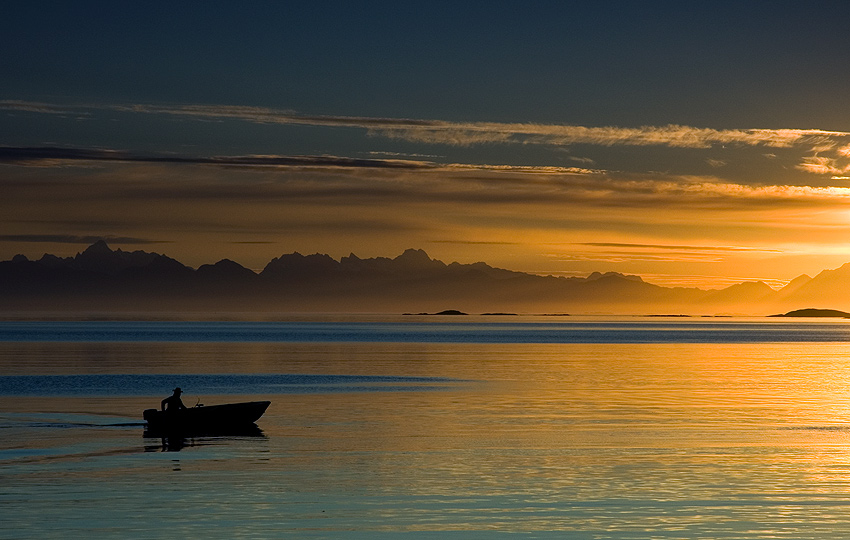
213 419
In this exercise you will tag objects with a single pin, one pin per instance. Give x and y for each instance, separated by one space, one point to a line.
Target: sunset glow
697 192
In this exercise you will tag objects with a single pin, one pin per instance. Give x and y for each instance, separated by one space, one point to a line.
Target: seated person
173 402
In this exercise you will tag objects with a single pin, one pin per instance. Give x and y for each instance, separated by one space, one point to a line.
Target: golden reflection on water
613 441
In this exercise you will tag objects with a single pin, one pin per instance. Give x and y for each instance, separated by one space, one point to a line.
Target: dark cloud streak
676 248
74 239
474 242
39 155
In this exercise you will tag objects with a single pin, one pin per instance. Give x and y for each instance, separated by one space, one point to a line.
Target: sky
696 145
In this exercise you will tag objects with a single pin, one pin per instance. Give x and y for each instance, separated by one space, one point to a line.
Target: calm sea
434 427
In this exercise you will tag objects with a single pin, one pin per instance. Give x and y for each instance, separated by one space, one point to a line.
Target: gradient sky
691 145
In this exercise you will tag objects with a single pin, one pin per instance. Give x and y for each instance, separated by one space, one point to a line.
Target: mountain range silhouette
100 279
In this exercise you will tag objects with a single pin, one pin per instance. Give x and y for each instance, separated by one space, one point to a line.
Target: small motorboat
231 417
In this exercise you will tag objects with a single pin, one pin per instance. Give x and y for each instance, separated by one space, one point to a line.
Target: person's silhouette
173 402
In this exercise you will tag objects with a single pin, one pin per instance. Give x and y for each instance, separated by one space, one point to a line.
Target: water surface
416 330
742 437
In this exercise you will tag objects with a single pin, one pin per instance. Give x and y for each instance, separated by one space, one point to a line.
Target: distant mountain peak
100 258
599 275
296 263
417 259
227 263
413 256
98 248
224 268
750 285
796 283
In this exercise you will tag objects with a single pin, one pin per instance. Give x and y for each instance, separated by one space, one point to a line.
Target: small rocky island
814 312
445 312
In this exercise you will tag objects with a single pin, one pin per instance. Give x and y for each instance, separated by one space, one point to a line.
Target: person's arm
162 404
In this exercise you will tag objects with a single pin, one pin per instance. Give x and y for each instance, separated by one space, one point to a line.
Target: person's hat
178 390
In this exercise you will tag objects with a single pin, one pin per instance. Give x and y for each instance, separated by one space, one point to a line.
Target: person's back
173 402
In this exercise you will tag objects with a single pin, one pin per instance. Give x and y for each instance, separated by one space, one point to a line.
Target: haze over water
698 432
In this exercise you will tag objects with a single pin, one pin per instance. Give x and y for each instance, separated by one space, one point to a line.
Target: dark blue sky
721 65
